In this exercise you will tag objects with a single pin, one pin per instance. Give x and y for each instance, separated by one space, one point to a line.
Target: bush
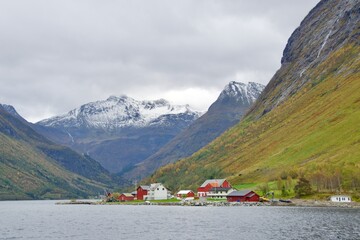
303 187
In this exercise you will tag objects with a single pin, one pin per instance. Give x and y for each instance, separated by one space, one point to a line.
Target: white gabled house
157 191
340 198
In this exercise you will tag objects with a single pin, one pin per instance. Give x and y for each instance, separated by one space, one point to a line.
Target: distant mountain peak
241 92
11 110
117 112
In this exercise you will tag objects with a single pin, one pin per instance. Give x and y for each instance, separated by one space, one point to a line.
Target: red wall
191 194
123 198
226 184
207 188
254 198
141 193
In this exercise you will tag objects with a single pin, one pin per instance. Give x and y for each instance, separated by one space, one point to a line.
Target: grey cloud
57 55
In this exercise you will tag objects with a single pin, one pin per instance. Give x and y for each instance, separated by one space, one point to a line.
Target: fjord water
46 220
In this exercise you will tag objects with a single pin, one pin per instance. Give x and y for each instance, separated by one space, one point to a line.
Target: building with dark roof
243 196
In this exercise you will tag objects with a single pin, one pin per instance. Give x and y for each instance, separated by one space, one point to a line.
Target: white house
340 198
219 192
157 191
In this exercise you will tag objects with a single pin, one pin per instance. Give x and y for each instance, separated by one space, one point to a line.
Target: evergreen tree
303 187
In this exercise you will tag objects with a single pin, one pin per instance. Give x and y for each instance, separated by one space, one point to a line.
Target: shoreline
294 203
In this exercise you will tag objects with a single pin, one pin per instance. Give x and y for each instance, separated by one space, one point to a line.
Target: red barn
205 188
126 197
185 194
243 196
142 191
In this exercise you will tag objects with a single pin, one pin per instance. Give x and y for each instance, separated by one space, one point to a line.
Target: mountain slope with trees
32 167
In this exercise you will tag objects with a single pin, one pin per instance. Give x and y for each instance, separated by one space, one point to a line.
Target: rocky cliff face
327 28
226 111
119 132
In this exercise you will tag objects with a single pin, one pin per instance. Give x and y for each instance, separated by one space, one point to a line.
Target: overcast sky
57 55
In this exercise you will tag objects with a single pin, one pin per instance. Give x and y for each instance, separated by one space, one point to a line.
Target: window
157 188
163 188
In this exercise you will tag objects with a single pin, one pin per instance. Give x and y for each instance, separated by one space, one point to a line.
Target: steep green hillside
32 167
306 122
28 174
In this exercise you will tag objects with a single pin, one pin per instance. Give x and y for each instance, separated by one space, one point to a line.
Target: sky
57 55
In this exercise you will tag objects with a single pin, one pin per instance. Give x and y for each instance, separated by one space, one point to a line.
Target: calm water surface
45 220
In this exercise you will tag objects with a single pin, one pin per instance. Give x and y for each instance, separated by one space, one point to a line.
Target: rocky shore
293 203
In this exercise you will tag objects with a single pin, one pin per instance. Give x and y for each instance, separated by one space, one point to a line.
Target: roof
127 195
153 186
134 192
145 187
213 182
184 192
241 193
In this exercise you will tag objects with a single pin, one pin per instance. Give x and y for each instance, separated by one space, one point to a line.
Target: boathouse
126 197
185 194
141 191
243 196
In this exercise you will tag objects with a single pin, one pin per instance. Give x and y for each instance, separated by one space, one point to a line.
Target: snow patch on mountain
118 112
246 93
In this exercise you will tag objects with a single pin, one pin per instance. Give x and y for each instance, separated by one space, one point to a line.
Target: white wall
340 198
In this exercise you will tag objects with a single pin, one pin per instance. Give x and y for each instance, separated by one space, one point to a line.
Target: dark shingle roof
240 193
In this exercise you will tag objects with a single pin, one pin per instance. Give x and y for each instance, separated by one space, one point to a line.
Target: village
215 190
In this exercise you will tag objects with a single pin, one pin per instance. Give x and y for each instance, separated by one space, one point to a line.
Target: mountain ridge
118 132
226 111
117 112
32 167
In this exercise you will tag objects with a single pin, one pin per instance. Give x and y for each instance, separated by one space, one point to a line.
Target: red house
142 191
209 184
185 194
243 196
126 197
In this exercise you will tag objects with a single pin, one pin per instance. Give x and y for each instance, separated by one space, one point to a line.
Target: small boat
285 200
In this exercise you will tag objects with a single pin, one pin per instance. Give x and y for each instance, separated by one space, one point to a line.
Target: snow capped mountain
118 112
10 109
245 93
233 102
